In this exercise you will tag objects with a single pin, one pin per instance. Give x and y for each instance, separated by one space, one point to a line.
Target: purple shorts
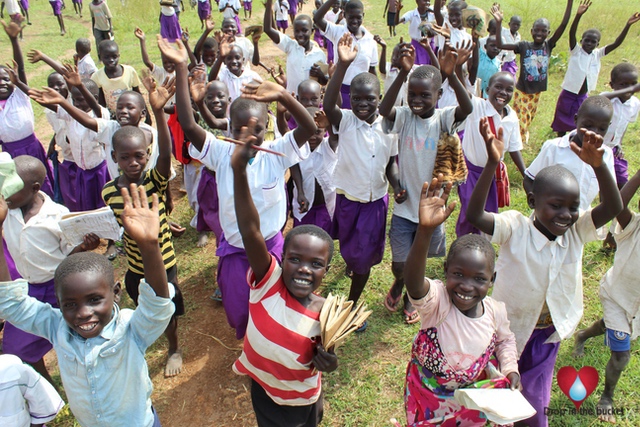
170 27
293 7
248 5
282 24
208 207
67 181
89 184
464 192
204 10
620 166
24 4
57 7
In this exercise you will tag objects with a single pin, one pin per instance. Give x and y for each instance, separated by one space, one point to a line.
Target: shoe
217 295
411 317
390 303
362 327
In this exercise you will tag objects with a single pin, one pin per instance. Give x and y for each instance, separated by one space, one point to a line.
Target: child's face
129 110
422 97
514 25
131 154
309 97
6 87
110 56
354 18
491 47
302 31
78 100
422 4
539 32
57 83
594 119
590 41
621 81
455 17
500 91
208 56
235 61
241 119
25 196
217 99
316 139
229 27
86 302
364 101
395 56
304 264
556 209
468 276
168 66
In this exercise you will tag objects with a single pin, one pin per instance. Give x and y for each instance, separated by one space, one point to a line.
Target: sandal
217 295
411 317
362 327
391 303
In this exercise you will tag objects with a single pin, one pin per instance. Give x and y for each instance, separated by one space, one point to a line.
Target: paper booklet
101 222
500 405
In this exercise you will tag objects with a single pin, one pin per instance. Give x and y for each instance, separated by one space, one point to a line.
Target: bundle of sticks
338 320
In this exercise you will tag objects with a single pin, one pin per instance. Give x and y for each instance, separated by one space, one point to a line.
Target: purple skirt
31 146
208 204
317 215
329 51
68 181
620 166
318 38
89 184
170 27
232 280
11 265
237 19
248 5
57 7
464 192
28 347
510 66
422 56
204 9
24 4
360 228
566 110
345 92
283 25
293 7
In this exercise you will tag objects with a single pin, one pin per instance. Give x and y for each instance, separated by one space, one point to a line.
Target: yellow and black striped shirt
153 182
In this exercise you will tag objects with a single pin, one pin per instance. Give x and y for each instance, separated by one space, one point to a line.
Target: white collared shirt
38 246
266 182
367 56
299 62
582 65
414 20
247 48
473 145
86 66
363 156
532 270
160 75
106 129
508 38
16 118
558 152
623 114
87 150
234 83
60 133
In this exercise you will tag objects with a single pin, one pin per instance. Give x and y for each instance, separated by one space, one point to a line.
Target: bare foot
604 409
203 239
174 364
111 252
578 344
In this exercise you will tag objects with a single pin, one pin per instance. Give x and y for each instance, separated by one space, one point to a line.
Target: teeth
88 326
464 297
302 282
560 224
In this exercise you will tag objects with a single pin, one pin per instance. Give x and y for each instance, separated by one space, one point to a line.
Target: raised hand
47 96
179 55
158 95
198 84
464 49
71 75
448 59
407 57
497 13
255 36
209 25
321 119
185 35
347 51
12 29
34 56
380 40
494 143
634 18
139 34
441 30
583 7
265 91
12 69
280 77
226 44
140 222
591 151
433 209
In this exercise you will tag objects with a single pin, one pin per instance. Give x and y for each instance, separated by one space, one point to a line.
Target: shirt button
98 416
93 392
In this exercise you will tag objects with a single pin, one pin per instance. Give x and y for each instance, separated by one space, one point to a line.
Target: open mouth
302 282
464 297
88 327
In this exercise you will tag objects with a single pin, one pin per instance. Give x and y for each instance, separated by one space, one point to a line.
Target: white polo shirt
582 65
234 83
508 38
299 62
266 182
86 66
623 114
532 270
414 20
367 50
60 133
558 152
16 118
88 152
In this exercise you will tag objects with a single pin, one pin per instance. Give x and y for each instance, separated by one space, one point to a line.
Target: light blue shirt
487 67
106 377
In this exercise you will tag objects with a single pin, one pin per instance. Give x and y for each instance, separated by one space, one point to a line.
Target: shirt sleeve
448 120
434 306
396 126
289 147
514 139
106 129
587 230
285 43
545 158
506 350
134 80
503 226
151 317
211 152
622 234
44 401
333 32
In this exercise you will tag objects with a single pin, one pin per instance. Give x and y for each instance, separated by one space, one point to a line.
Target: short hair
548 177
83 44
491 22
83 262
127 132
494 76
473 241
311 230
541 21
366 78
427 72
594 31
210 43
595 101
309 84
623 67
516 18
353 5
137 95
54 74
246 104
30 169
91 86
306 18
107 44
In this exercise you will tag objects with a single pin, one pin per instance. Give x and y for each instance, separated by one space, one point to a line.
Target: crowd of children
327 157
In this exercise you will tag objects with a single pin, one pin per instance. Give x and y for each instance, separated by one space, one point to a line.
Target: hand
303 202
407 57
494 144
399 6
139 34
464 51
255 37
263 91
198 84
325 361
448 59
34 56
441 30
316 71
514 380
497 13
179 55
4 210
12 69
634 18
46 96
591 151
209 25
71 75
12 29
433 209
347 51
89 242
321 119
158 95
583 7
400 195
280 77
226 44
140 222
185 36
241 155
380 41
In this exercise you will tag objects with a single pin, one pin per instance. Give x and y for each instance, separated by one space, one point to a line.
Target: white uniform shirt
86 66
558 152
532 270
16 118
229 13
508 38
234 83
281 8
106 129
266 182
367 50
60 130
299 62
246 45
582 65
414 20
623 114
87 150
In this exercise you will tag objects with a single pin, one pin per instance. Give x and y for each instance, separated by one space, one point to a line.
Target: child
204 11
266 171
235 74
100 22
56 5
285 382
309 94
334 15
500 115
510 36
16 114
583 69
619 297
367 52
452 22
366 167
130 151
418 125
229 10
485 63
416 18
77 6
594 114
390 11
248 7
461 327
37 247
169 24
534 65
281 9
160 74
302 53
206 47
391 71
544 253
115 388
231 29
83 60
27 398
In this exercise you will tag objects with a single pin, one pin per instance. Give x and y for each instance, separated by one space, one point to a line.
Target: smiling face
302 31
217 99
622 80
354 18
455 16
208 56
500 90
469 275
540 32
6 87
590 41
304 264
56 82
364 101
556 207
130 109
110 56
86 301
229 27
168 66
422 96
131 153
235 61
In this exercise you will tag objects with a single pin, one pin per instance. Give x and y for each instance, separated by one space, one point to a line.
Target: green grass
367 389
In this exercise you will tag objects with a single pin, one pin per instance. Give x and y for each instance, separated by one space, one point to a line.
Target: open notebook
500 405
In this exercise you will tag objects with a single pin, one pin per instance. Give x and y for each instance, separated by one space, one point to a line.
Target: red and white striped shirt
280 341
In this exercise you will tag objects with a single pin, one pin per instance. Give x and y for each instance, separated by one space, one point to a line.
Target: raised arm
158 98
35 56
476 214
318 18
73 79
407 58
616 93
198 89
433 210
563 25
143 48
224 47
267 22
13 31
382 64
592 153
582 8
447 67
475 59
209 26
49 96
498 16
623 34
437 11
185 41
627 192
346 55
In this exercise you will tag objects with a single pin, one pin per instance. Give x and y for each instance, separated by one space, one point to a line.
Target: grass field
367 388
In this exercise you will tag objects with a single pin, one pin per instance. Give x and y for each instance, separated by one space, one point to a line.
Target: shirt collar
565 141
540 240
361 123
